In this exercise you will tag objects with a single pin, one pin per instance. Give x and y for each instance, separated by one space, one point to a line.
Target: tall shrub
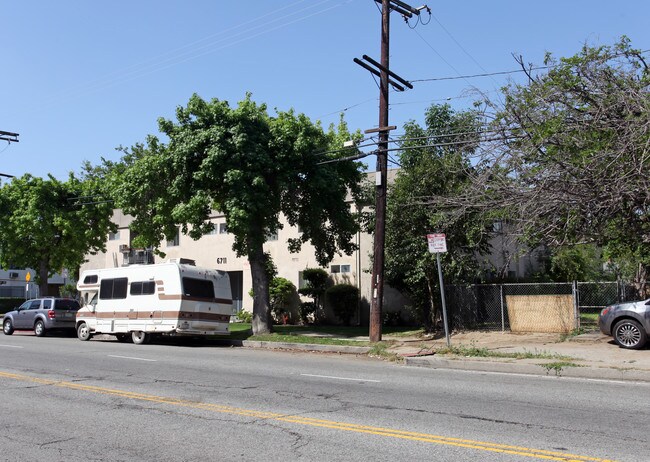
316 281
344 300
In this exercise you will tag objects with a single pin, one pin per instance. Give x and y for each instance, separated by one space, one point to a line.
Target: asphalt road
66 400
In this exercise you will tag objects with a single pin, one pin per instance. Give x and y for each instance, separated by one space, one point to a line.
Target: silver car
42 315
628 323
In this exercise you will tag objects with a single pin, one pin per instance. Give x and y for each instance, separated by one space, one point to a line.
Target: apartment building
214 250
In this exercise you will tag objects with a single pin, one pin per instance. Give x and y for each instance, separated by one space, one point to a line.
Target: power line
231 36
440 56
487 74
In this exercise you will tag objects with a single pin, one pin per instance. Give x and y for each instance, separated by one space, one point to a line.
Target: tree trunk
42 279
261 307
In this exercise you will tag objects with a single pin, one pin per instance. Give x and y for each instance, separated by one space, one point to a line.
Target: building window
223 228
334 269
114 236
176 241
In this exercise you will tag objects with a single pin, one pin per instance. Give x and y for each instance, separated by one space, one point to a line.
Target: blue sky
82 77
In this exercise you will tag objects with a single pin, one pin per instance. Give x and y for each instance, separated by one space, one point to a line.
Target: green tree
440 170
571 160
48 225
252 167
582 262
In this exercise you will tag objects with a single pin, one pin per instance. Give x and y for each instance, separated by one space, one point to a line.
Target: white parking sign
437 243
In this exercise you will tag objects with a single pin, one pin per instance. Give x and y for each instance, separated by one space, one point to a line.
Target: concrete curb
358 350
579 371
528 367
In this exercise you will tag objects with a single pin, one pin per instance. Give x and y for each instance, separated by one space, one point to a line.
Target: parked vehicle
42 315
628 323
138 301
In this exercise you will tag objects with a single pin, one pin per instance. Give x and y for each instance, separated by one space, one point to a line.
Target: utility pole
9 137
382 71
380 182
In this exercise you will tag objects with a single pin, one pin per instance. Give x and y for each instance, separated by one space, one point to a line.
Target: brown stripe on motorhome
191 316
194 299
89 314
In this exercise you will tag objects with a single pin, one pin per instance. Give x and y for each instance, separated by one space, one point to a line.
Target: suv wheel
628 333
39 328
7 327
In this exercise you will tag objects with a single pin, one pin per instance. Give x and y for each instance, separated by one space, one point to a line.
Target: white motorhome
174 298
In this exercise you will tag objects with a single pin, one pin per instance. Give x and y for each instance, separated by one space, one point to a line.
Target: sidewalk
592 355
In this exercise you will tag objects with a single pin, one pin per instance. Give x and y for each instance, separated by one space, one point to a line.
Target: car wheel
8 327
628 333
83 332
139 337
122 338
39 328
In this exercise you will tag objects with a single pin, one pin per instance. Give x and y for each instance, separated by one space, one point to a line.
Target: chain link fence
531 307
592 297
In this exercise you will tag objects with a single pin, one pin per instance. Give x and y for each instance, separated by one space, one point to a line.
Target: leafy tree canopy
441 169
569 154
47 224
250 166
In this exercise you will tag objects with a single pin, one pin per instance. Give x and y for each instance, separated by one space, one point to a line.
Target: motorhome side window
143 288
198 288
113 288
90 279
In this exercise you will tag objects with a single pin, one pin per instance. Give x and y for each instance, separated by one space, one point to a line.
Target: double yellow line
342 426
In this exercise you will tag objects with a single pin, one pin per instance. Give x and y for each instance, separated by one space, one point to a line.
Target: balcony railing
137 257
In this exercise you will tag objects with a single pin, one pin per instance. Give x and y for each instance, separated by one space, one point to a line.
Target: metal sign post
437 245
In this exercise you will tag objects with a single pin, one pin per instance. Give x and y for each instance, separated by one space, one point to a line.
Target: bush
392 318
344 300
281 292
307 310
316 280
68 290
245 316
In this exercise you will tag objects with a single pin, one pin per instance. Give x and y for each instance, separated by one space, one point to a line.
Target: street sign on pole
437 243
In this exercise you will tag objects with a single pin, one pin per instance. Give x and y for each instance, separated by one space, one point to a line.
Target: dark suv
628 323
41 315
